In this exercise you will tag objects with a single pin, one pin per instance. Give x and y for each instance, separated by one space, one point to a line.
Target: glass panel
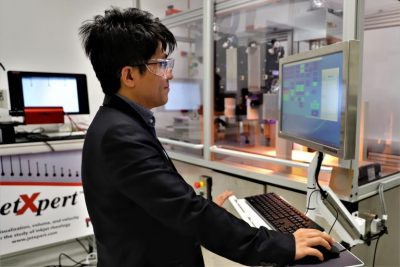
180 118
249 42
381 97
166 8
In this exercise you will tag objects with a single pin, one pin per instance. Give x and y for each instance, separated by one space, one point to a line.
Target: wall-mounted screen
39 89
184 94
318 98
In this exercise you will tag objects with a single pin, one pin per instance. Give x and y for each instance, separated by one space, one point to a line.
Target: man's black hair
122 38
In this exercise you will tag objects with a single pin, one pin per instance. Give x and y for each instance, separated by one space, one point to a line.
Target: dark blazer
145 214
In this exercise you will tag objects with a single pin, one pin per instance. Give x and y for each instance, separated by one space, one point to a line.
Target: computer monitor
184 94
42 89
318 98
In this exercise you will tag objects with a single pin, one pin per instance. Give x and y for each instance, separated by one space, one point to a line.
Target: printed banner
41 200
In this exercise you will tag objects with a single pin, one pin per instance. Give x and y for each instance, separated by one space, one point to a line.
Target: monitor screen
311 99
183 95
39 89
315 104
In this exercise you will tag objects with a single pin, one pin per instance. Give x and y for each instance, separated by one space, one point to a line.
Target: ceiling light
317 3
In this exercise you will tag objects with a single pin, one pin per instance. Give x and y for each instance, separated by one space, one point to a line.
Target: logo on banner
35 204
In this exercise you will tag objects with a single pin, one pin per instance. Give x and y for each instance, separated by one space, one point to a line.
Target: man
143 212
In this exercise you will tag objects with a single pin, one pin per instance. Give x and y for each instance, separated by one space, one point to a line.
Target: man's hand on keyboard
221 198
306 239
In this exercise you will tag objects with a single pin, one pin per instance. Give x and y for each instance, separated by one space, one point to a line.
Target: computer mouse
334 252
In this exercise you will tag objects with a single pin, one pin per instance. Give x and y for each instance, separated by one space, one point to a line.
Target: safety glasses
160 67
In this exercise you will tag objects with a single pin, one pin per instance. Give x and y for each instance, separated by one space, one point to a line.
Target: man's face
153 85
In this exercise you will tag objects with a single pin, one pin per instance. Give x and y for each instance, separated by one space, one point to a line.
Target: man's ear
128 76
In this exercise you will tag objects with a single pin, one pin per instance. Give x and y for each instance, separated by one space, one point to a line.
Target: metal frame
353 29
353 17
208 83
176 20
41 147
245 155
181 144
229 6
183 18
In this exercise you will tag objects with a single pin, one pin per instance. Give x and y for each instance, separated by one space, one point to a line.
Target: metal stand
349 228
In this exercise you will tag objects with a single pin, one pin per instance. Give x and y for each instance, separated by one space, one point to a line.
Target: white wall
42 35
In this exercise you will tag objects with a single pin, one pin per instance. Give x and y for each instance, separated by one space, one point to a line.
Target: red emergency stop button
199 184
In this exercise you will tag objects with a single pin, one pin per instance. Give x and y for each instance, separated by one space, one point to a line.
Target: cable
50 146
81 264
309 198
337 215
317 170
71 259
91 243
77 263
80 243
74 124
376 246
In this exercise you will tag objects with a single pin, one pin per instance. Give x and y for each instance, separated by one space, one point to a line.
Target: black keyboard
280 214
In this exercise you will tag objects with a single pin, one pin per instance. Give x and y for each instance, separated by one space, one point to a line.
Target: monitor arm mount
322 202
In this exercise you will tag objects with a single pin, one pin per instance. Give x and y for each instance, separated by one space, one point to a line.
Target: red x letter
28 203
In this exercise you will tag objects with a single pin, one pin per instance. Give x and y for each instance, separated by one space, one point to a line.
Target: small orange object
171 10
199 184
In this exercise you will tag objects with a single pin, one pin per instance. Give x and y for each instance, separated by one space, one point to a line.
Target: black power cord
337 215
376 237
77 263
317 170
324 194
309 199
83 246
376 246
